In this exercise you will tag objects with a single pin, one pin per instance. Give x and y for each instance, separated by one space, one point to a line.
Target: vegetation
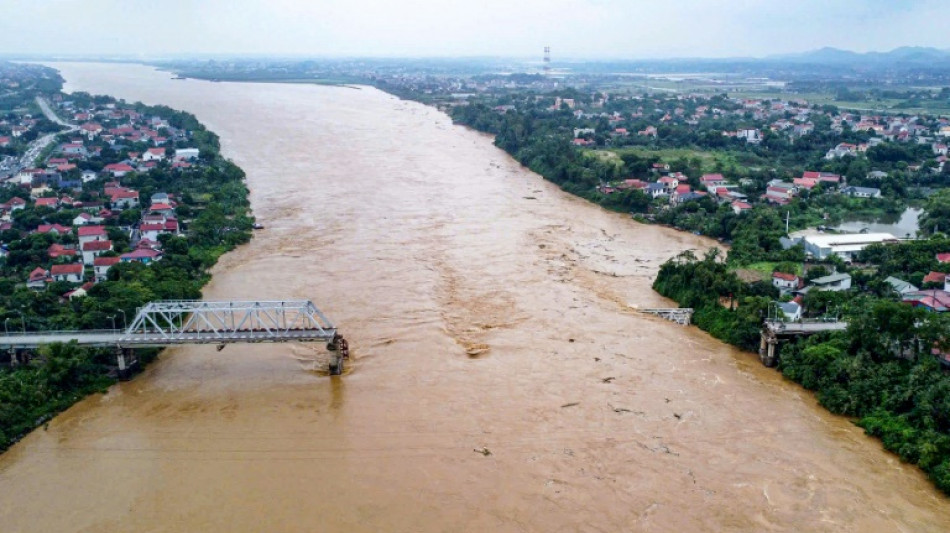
212 204
879 372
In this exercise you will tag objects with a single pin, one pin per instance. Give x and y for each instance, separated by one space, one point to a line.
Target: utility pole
547 60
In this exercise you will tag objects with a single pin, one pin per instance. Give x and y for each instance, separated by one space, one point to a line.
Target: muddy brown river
424 243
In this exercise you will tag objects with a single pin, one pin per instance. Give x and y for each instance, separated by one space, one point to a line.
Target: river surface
423 242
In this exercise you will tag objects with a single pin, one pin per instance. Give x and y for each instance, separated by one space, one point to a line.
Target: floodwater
905 225
424 242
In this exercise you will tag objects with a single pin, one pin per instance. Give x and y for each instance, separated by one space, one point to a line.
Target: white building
845 246
189 153
832 282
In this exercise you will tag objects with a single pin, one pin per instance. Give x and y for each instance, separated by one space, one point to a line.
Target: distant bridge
680 315
174 322
774 331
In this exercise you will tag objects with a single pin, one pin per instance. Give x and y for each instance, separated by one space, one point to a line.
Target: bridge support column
123 362
336 364
771 355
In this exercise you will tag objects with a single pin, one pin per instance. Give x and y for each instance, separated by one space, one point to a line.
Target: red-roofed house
154 154
785 282
632 184
162 209
118 169
82 219
142 255
55 229
14 204
38 279
827 177
58 250
943 258
91 129
711 181
124 198
101 266
935 277
71 272
93 249
806 183
5 141
741 207
670 184
91 233
52 203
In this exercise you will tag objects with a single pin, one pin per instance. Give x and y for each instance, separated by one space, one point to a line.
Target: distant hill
902 55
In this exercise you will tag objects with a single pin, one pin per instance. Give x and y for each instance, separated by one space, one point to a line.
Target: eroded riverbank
422 240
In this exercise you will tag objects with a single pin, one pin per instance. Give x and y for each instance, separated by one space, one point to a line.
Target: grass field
766 268
708 158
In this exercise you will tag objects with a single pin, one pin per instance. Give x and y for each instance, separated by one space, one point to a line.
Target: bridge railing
20 332
225 318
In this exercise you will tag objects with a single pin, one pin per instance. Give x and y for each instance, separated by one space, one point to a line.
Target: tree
936 216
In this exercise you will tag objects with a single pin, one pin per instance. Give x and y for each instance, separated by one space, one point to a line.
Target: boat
257 225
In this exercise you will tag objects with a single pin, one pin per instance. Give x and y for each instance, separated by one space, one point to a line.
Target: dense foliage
880 371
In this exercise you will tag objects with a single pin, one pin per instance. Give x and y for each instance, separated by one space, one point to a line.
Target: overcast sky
573 28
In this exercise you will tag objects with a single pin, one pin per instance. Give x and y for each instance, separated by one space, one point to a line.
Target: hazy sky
573 28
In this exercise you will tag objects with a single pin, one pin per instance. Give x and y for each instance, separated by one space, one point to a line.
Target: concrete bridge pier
768 350
125 358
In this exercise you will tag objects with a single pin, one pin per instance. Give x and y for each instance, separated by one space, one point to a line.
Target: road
28 159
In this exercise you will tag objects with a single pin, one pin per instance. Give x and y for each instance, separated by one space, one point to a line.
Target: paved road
36 147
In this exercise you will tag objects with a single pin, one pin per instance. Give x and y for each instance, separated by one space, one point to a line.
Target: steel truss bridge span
175 322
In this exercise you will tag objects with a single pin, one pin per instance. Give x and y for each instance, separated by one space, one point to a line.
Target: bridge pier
125 358
768 349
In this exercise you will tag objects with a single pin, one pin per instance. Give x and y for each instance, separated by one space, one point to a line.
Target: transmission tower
547 60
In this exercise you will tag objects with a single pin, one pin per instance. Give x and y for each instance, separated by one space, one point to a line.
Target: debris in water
608 379
570 340
474 350
678 416
529 197
572 404
483 450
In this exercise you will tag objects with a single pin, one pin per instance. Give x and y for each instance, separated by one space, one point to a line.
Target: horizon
574 29
136 58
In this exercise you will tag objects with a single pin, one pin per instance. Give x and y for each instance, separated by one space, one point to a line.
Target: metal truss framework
210 322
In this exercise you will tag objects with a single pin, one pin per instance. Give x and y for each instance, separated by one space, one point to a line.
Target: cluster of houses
674 186
57 185
935 297
95 250
796 122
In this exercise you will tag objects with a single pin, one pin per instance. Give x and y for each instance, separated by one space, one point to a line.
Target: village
77 196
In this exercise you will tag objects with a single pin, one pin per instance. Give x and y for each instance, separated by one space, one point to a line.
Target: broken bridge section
774 331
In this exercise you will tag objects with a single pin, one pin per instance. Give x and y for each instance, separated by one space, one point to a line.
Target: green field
708 158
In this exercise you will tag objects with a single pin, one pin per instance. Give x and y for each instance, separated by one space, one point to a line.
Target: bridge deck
167 323
120 339
803 328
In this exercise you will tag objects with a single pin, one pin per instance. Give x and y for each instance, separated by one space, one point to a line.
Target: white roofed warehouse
844 246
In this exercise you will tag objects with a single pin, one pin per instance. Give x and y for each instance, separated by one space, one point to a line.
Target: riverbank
882 372
416 249
163 225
